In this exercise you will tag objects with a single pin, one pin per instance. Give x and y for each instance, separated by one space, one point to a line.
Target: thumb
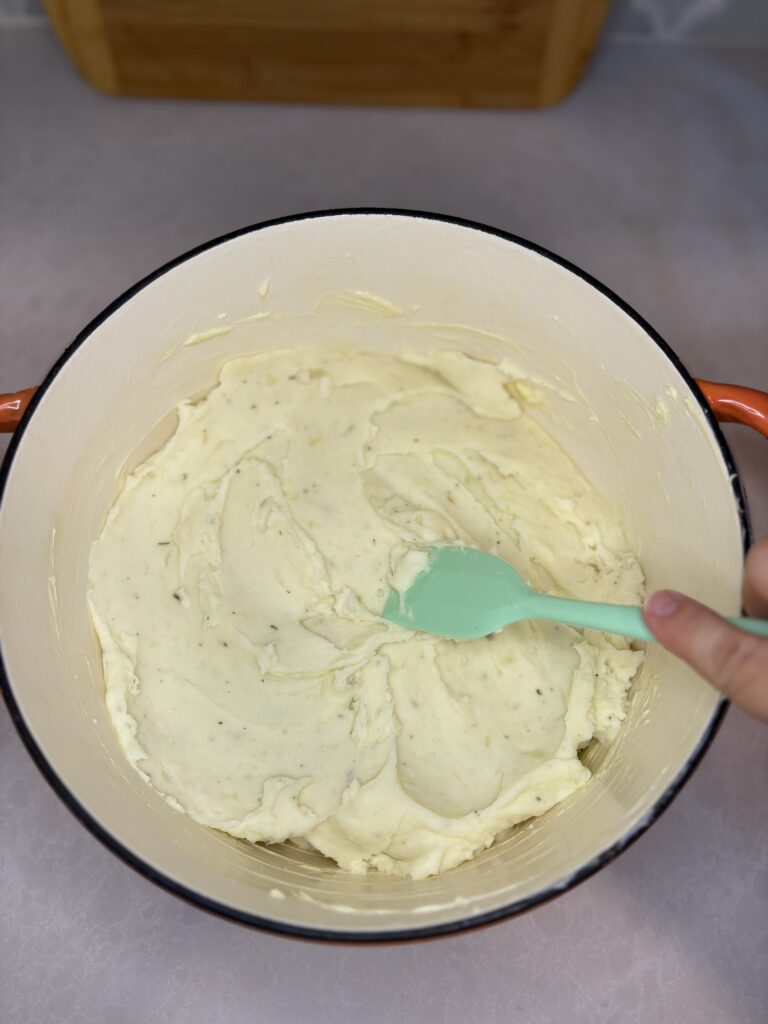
733 661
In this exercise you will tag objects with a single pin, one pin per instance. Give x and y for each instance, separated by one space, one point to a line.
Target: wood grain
80 26
481 53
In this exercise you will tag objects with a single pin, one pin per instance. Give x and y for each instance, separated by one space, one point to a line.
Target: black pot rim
383 936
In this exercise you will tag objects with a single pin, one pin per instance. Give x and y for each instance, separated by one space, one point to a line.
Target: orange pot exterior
734 404
12 408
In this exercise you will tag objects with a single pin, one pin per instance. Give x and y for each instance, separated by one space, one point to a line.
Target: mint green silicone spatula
466 594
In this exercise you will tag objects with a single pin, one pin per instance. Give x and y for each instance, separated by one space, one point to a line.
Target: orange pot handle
12 408
734 404
729 402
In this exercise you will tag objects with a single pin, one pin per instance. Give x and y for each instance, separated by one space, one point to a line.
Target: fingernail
662 604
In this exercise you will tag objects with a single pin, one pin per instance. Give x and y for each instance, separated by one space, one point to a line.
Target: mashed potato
237 587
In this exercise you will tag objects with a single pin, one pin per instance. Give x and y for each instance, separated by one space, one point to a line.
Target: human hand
733 661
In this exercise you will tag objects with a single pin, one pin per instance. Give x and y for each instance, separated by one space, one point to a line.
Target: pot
610 391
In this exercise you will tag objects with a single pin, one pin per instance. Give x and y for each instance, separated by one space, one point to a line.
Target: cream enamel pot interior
617 400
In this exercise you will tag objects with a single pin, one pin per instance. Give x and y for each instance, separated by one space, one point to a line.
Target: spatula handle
626 620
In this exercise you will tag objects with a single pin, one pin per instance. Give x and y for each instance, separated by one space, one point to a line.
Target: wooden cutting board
472 53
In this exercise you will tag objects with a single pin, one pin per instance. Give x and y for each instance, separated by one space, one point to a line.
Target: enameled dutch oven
615 396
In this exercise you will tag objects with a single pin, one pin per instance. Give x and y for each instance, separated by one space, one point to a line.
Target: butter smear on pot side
237 585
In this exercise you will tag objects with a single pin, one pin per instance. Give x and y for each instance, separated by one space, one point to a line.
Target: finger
756 580
732 660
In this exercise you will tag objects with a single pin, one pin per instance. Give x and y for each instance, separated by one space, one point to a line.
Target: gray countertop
652 177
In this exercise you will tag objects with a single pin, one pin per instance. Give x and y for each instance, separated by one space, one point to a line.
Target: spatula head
463 594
